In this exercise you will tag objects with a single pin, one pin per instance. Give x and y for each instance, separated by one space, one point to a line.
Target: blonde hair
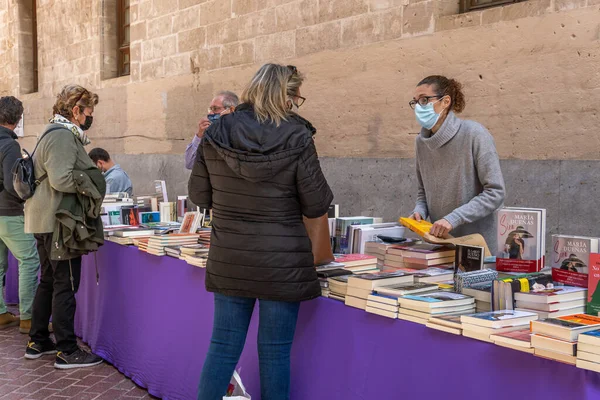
269 92
71 96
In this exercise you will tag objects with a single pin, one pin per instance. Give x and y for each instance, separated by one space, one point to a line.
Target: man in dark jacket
12 235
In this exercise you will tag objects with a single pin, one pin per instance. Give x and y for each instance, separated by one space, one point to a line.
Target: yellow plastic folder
419 227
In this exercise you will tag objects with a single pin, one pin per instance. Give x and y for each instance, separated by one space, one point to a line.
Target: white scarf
79 134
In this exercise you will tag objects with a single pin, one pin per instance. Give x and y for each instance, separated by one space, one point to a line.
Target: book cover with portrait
521 239
570 259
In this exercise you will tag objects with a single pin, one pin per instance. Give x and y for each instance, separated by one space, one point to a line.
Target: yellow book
419 227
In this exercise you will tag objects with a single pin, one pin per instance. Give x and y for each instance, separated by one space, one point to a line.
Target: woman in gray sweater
458 170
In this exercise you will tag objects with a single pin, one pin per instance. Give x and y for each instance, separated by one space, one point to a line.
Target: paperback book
521 239
342 230
566 328
406 289
570 259
593 293
371 281
469 258
499 319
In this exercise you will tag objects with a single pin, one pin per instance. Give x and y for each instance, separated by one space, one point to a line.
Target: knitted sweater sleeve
421 206
490 176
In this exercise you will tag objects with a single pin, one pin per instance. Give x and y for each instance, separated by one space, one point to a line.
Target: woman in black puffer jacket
258 170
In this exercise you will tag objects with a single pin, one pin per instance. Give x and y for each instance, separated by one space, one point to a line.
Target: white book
356 302
383 313
447 329
499 319
412 319
369 233
484 337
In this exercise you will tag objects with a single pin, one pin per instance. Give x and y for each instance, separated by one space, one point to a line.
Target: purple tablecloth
12 281
151 317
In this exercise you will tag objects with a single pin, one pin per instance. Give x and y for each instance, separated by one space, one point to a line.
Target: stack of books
358 263
124 241
482 293
384 300
196 250
419 256
552 303
197 261
157 244
421 308
384 305
173 251
446 323
556 338
133 232
361 286
429 275
326 273
378 250
338 287
482 326
204 236
141 243
519 340
588 351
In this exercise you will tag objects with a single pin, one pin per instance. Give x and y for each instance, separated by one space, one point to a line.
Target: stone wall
530 69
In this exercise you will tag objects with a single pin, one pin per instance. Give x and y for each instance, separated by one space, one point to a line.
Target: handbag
318 233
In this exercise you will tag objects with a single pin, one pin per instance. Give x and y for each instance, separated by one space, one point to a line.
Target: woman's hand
441 228
416 217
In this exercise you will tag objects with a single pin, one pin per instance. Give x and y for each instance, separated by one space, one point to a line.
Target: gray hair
11 110
230 99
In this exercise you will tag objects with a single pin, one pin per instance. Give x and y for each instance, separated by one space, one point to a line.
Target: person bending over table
259 172
460 184
117 180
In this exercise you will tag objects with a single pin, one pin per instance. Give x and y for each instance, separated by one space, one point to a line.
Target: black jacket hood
256 152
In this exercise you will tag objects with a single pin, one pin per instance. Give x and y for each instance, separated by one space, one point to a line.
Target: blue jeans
23 246
277 324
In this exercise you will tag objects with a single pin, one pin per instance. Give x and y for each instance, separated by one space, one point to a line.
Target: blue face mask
213 117
426 115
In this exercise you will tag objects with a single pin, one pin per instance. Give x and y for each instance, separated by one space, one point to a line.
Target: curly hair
71 96
11 110
447 87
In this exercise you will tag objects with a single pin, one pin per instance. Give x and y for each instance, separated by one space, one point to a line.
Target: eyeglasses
300 100
423 101
216 110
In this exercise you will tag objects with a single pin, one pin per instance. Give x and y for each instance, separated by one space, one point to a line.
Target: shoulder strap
43 136
43 177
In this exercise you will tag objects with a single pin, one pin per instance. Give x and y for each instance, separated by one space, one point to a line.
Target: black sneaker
36 350
77 359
